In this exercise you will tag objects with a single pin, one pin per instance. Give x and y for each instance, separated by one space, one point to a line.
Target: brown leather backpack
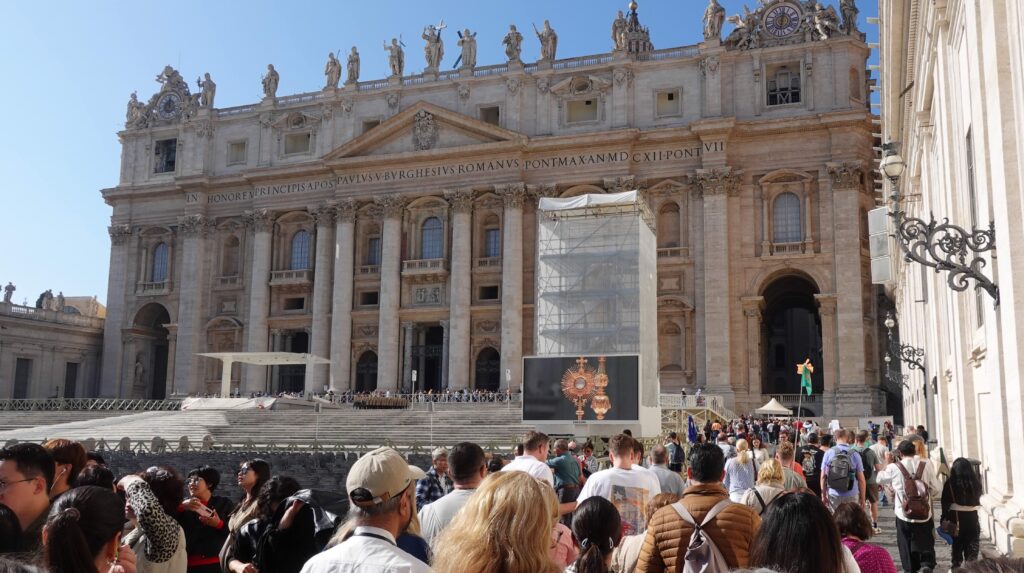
917 502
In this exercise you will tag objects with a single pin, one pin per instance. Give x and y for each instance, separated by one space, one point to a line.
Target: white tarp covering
774 407
588 200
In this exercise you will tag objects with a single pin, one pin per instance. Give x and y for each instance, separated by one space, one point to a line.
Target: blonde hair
501 529
770 471
742 451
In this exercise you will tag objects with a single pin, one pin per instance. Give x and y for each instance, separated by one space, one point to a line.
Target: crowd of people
724 503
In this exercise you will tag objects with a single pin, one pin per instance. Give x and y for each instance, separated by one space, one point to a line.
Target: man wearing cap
381 489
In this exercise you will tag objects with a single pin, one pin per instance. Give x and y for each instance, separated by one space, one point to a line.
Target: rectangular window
581 110
667 103
70 379
783 87
369 124
492 242
164 154
489 292
297 303
491 114
236 152
296 143
373 251
370 298
22 377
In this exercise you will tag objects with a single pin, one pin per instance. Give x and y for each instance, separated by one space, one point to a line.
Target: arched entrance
366 372
488 370
147 353
791 333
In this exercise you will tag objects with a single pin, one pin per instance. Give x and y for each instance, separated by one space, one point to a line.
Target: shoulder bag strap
684 513
920 470
715 511
903 470
760 500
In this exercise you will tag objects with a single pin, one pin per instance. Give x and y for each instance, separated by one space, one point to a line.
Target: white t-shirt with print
628 490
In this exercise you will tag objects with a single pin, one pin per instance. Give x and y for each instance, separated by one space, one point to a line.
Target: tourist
251 476
732 529
880 447
83 532
467 470
770 482
728 450
202 516
69 458
759 451
961 497
872 465
626 554
740 472
26 476
598 530
381 490
534 458
668 480
152 499
799 517
842 473
587 459
94 459
792 472
96 475
494 464
914 535
567 475
503 528
855 529
563 550
623 485
675 453
809 457
10 532
266 543
437 483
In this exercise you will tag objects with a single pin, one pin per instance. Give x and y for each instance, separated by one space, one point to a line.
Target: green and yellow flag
805 370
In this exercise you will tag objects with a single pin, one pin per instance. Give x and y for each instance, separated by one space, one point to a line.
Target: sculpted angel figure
333 71
826 21
513 42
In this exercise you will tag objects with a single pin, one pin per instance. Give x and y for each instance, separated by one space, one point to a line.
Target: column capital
542 190
119 234
444 325
845 175
390 206
826 304
194 225
408 325
345 211
753 306
718 181
323 214
461 200
622 184
259 220
513 194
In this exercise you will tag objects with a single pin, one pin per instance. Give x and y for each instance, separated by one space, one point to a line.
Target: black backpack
840 471
867 455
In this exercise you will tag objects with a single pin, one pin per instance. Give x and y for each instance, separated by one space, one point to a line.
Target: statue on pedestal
433 51
139 372
59 306
270 81
849 10
618 31
396 57
467 41
513 42
135 116
9 292
548 41
714 17
208 91
333 71
353 67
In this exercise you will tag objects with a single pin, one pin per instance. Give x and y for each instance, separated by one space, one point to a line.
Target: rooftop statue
513 42
433 51
619 31
396 57
270 82
135 116
9 291
467 41
353 67
714 17
208 90
849 11
548 41
826 21
171 80
333 71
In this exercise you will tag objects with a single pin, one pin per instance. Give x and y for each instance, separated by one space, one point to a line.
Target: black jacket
202 540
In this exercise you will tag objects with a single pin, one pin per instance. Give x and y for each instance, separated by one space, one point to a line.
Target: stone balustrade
45 315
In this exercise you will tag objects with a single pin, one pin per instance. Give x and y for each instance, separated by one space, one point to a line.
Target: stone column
753 306
830 366
341 310
513 195
457 329
117 287
408 333
261 222
849 281
321 325
392 207
444 354
187 376
716 186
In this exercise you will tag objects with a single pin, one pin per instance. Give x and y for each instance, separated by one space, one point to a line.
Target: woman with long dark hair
800 515
597 526
961 497
83 531
252 474
258 544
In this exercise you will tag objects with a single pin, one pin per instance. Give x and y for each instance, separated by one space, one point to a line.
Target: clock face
782 20
168 105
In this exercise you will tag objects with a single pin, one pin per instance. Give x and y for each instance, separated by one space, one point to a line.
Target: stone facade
953 98
390 224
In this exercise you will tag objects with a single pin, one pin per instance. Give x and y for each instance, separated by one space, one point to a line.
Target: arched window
229 257
160 254
430 239
668 225
786 219
300 251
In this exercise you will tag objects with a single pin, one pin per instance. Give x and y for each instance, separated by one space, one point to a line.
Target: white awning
774 407
588 200
262 359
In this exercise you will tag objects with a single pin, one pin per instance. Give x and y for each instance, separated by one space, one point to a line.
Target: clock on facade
782 20
168 105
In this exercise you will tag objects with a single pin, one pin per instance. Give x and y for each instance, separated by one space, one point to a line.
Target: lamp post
942 246
912 356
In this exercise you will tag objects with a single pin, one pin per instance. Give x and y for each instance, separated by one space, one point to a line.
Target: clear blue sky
69 66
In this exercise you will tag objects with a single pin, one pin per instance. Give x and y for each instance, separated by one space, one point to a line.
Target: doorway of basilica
791 333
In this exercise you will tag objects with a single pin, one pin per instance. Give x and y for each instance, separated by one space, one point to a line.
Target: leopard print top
160 529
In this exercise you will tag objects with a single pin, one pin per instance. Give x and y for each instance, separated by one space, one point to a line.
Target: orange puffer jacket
668 535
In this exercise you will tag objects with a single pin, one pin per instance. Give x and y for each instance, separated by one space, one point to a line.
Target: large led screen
581 388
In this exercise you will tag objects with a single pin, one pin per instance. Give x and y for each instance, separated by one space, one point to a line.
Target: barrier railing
99 404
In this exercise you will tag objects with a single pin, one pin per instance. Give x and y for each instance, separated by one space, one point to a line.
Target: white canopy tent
773 407
262 359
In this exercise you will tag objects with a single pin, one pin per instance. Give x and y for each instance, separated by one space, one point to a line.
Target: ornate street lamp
913 357
942 246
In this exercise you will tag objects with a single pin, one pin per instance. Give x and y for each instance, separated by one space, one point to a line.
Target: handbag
950 526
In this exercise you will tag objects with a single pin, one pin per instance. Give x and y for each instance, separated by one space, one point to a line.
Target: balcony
419 268
488 263
674 253
787 249
153 288
297 277
368 270
230 282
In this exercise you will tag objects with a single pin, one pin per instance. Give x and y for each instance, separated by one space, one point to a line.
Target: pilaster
392 207
320 343
187 376
341 306
456 362
260 222
110 374
513 195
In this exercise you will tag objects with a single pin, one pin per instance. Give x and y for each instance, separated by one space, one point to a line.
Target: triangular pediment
425 127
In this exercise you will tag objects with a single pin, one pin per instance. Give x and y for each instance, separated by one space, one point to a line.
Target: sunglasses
244 470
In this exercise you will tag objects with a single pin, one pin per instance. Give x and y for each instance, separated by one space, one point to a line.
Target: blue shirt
858 466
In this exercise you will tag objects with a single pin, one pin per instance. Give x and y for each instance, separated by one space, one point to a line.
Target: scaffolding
596 279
